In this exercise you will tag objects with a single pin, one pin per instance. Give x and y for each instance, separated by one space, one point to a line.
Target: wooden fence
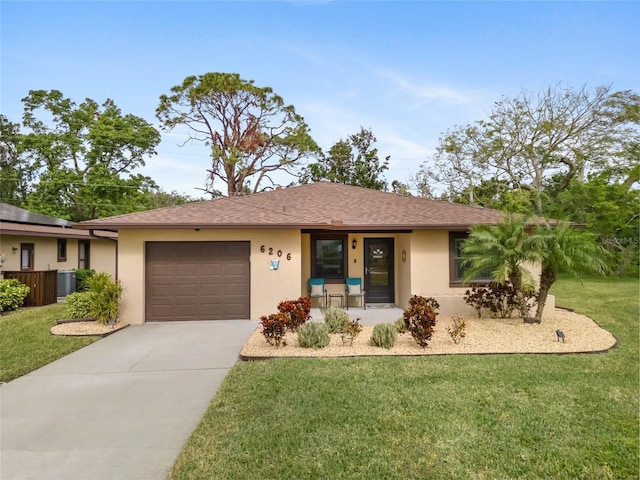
43 285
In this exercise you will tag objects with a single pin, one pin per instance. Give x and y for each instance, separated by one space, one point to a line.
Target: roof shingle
321 205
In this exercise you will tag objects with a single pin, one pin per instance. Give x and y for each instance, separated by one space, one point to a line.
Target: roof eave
66 233
191 226
275 226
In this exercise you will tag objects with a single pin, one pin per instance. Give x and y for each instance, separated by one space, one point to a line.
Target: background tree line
76 161
565 153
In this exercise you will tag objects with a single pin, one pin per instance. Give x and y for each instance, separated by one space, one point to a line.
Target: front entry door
378 268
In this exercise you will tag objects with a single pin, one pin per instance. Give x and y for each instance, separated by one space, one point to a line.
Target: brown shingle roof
321 205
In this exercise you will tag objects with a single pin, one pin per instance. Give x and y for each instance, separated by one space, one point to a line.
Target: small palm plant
564 249
503 249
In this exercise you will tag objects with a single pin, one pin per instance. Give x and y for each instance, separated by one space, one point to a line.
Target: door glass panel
26 259
378 265
83 254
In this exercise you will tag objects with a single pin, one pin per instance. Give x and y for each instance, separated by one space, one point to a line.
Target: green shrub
105 297
82 277
336 319
384 335
420 318
274 327
350 331
12 294
400 325
313 335
79 305
297 311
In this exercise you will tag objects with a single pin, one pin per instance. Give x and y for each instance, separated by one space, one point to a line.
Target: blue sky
407 70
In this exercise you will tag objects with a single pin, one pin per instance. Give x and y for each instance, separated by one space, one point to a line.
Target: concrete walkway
121 408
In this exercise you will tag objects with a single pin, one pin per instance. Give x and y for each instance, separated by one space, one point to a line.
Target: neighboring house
213 259
33 242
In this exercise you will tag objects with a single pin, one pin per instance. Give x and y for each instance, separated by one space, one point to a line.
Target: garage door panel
211 290
185 289
213 269
237 249
235 269
197 280
160 292
162 270
163 281
231 298
185 270
184 315
215 300
235 289
234 311
212 249
186 305
213 308
161 249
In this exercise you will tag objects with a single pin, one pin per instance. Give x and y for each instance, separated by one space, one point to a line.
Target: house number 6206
263 249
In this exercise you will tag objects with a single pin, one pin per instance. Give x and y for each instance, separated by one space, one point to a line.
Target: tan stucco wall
305 266
430 263
102 256
430 273
268 287
425 271
403 270
45 255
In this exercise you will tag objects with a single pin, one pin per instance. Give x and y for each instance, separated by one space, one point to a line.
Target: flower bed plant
298 312
456 329
499 299
313 335
384 335
274 327
420 318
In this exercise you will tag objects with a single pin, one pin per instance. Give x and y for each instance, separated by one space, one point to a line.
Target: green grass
27 344
455 417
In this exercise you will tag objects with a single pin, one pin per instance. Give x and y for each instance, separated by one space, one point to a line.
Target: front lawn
449 417
25 341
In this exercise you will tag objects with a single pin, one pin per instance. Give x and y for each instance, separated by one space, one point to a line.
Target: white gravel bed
72 329
483 335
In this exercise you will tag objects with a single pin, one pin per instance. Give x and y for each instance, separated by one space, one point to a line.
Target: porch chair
354 289
316 289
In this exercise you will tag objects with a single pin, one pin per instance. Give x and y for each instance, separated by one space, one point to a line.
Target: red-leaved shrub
297 312
420 318
274 327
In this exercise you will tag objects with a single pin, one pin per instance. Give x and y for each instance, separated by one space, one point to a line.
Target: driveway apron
121 408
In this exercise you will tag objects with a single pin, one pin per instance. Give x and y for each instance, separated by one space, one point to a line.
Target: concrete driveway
119 409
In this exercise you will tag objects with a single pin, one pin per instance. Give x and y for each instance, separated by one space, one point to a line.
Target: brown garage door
197 281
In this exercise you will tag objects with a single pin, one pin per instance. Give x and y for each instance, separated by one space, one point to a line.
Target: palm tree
503 249
565 249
